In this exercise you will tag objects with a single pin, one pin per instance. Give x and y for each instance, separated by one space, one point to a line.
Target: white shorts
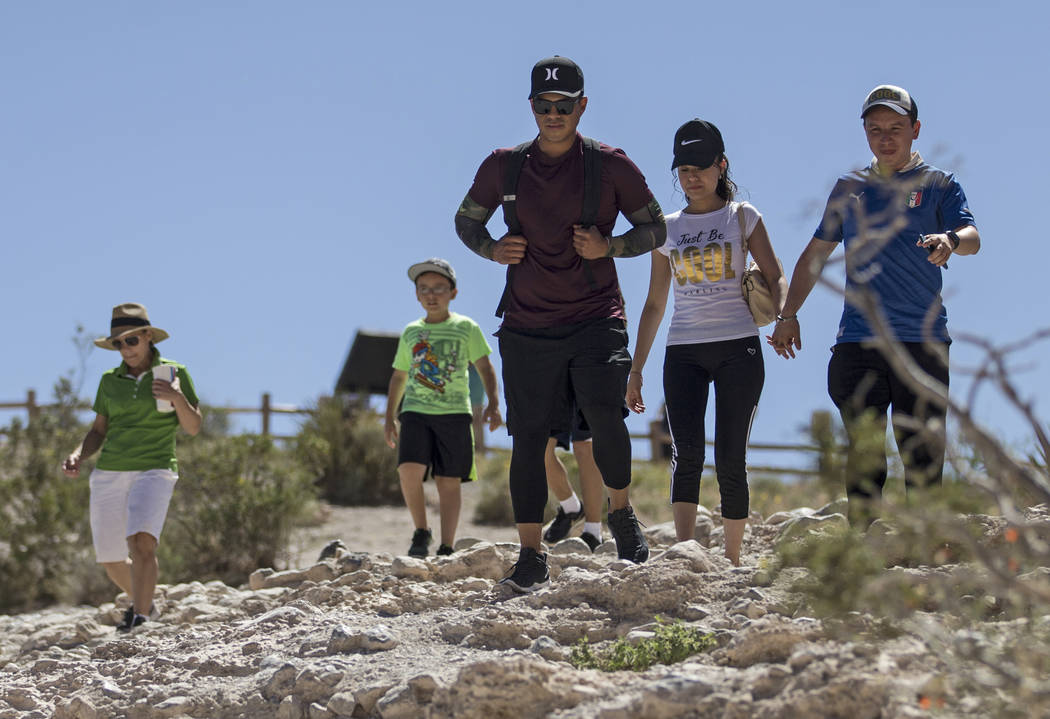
124 504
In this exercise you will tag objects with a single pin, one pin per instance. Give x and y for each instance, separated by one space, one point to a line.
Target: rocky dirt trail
372 634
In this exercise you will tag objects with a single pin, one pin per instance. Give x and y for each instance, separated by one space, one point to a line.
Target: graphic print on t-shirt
426 364
693 264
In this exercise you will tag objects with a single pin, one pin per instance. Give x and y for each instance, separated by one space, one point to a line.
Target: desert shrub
493 507
670 643
234 507
44 530
343 446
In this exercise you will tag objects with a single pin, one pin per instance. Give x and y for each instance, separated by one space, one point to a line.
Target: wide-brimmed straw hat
127 318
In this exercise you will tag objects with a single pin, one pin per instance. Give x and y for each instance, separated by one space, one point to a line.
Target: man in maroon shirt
563 337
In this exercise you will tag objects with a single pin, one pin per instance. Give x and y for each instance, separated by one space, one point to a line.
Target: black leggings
738 372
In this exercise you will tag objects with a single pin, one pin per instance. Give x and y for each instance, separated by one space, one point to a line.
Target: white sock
572 504
594 528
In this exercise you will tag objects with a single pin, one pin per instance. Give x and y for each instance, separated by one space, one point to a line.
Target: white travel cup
165 372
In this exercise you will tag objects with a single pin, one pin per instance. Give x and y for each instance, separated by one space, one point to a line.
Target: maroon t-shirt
550 286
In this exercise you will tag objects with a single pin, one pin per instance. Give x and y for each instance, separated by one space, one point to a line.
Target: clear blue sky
261 174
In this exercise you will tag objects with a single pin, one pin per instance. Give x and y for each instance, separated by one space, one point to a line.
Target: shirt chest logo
915 198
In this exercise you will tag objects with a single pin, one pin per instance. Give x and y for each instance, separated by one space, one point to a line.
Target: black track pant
863 387
738 372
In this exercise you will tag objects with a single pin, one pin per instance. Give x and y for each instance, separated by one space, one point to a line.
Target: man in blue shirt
899 220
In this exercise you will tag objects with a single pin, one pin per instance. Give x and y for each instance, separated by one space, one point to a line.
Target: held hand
509 249
71 465
588 242
633 398
939 247
390 433
493 417
786 338
166 390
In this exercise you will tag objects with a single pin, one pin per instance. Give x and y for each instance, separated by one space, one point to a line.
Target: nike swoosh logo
856 197
690 142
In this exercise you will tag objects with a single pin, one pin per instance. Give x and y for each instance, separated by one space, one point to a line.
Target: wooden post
266 413
31 405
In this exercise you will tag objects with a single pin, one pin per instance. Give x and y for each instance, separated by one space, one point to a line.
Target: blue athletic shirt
892 212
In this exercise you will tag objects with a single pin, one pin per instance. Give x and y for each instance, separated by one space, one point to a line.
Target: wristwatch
953 237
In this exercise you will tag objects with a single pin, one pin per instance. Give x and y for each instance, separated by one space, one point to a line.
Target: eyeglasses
544 107
129 341
436 291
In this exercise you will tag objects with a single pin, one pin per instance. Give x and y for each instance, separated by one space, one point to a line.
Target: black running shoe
591 540
131 620
421 540
529 573
630 544
561 524
444 550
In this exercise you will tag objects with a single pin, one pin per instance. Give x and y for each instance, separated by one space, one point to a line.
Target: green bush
45 538
493 507
236 503
670 644
345 448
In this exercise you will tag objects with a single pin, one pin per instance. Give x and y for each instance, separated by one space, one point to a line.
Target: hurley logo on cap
558 75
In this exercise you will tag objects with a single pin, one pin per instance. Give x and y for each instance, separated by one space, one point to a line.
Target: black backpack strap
511 172
592 181
592 194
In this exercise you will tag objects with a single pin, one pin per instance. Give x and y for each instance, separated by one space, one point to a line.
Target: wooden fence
817 457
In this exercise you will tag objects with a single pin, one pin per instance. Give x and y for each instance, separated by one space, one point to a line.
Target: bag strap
592 181
743 229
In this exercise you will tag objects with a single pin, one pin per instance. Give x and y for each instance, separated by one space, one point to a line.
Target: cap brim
893 106
563 93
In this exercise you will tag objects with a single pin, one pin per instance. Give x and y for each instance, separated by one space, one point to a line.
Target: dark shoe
529 573
630 544
421 540
131 620
591 540
560 526
444 550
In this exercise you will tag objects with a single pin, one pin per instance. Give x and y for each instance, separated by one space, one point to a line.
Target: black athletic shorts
580 432
548 371
443 442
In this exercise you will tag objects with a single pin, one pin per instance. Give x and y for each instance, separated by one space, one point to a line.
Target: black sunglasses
129 341
544 107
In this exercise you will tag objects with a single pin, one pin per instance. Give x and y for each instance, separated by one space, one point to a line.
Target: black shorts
546 372
580 432
443 442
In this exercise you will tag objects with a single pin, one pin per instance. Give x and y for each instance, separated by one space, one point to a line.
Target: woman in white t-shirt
712 337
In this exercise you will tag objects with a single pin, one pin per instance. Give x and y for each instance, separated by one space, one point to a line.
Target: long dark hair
726 188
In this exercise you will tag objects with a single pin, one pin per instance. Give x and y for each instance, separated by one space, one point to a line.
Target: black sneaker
591 540
131 620
561 524
630 544
529 573
444 550
421 540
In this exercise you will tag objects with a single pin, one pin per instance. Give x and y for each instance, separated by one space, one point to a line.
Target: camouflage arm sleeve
470 226
648 233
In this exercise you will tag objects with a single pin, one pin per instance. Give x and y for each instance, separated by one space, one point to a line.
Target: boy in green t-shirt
430 372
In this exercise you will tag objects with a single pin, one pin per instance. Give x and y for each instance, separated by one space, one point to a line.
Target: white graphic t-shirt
707 262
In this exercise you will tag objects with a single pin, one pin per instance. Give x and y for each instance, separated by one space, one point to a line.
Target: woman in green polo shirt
135 476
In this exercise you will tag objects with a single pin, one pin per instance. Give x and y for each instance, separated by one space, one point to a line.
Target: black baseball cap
557 74
697 143
896 98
